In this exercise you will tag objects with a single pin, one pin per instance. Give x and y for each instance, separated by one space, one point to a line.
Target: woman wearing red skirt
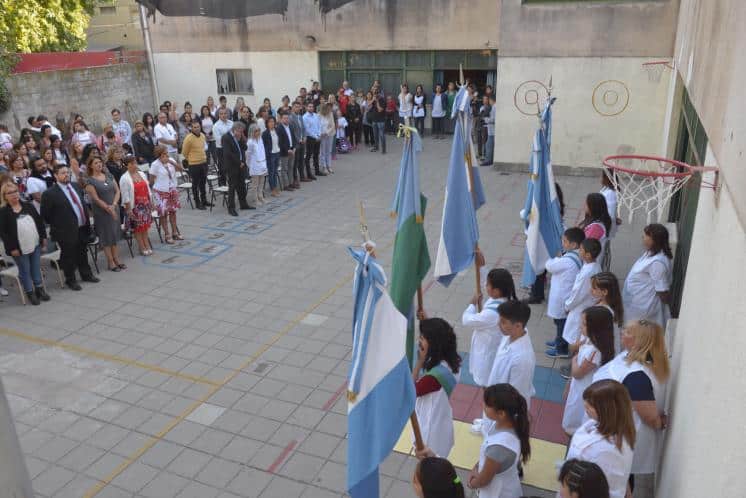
136 201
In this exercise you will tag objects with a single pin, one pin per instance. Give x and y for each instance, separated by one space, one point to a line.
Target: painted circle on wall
528 97
610 97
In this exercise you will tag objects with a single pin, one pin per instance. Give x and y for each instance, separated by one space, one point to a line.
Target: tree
44 25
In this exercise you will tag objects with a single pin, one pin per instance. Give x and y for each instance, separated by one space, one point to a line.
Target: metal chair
53 258
185 186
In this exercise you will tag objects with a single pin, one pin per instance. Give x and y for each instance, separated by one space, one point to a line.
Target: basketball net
645 184
655 70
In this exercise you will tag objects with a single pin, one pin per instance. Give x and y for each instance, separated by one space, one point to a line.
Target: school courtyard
217 367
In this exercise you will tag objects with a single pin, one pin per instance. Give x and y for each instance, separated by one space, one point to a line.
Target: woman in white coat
405 105
607 438
644 370
136 195
646 289
435 375
257 159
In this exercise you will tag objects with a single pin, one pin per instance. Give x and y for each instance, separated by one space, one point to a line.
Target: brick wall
91 92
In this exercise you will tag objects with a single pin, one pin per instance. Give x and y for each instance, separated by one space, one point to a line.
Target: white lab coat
611 203
650 274
579 299
588 444
257 157
506 484
574 413
648 440
563 270
436 420
484 340
514 364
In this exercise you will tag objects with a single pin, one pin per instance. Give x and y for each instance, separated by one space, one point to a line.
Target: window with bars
235 81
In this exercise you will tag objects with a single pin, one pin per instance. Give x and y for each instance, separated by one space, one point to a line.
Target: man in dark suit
234 161
63 209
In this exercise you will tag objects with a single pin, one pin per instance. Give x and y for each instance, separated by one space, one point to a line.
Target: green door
391 82
361 80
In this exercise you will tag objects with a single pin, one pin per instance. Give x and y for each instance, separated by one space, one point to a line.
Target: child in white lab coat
436 477
581 479
515 359
486 336
580 296
596 349
563 269
605 288
505 446
435 375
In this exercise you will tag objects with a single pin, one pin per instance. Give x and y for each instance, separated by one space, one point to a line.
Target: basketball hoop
655 69
645 183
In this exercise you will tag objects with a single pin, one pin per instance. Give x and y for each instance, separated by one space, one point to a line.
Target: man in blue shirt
313 132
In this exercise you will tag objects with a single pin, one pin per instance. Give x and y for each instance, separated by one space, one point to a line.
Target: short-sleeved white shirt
160 131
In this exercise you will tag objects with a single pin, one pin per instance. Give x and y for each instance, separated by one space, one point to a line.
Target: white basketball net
638 192
655 71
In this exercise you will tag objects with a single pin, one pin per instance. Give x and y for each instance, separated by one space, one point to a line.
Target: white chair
185 185
53 258
221 190
11 271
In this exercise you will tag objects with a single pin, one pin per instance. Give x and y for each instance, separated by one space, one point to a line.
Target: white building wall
191 77
581 137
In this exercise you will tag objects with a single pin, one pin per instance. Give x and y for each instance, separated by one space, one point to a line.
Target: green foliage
44 25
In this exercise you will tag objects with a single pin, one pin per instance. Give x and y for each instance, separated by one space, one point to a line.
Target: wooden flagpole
413 420
470 174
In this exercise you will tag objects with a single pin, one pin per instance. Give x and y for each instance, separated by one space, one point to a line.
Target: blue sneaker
552 344
553 353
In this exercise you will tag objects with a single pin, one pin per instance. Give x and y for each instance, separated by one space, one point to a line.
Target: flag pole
414 421
470 174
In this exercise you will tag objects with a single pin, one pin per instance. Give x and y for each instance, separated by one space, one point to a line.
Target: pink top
595 230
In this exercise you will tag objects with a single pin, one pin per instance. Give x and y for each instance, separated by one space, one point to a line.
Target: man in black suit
234 161
63 209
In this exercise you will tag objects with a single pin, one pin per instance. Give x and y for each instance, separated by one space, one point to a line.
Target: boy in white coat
515 359
580 296
563 269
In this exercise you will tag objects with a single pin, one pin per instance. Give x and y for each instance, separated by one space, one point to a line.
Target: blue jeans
561 345
325 157
29 269
273 161
380 134
489 149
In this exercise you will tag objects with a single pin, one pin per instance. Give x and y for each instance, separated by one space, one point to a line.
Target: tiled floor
216 368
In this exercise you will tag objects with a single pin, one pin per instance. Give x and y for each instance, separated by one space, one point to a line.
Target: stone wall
91 92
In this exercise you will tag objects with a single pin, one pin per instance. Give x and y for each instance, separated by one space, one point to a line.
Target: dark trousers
560 343
419 123
74 256
236 186
537 290
211 154
368 135
198 174
437 127
221 166
312 150
354 133
298 160
380 134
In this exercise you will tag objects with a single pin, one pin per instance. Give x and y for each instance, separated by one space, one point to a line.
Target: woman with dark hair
597 222
148 122
142 145
104 193
206 119
646 289
60 154
607 438
506 444
418 110
435 375
436 478
581 479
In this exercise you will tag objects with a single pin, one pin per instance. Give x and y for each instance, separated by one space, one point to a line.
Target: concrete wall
582 29
581 137
704 453
355 25
90 92
121 28
298 68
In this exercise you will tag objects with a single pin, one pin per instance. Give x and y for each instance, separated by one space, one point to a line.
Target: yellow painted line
540 471
94 490
104 356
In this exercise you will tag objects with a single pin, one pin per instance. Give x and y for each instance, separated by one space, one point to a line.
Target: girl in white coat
597 222
605 288
505 446
646 289
607 438
609 192
596 349
644 370
486 336
257 159
435 375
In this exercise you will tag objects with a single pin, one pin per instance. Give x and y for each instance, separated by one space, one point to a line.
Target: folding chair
183 186
93 248
53 258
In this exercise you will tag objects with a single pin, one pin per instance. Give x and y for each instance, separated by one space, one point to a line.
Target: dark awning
229 9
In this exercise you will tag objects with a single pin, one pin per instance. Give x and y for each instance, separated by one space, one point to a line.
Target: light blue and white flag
541 212
380 392
459 232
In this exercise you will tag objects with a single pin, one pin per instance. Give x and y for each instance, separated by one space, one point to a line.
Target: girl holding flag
435 375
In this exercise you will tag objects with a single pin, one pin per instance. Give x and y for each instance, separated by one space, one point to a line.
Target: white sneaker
3 292
476 426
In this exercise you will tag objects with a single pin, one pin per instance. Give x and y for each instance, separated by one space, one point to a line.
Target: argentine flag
380 394
459 232
541 212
